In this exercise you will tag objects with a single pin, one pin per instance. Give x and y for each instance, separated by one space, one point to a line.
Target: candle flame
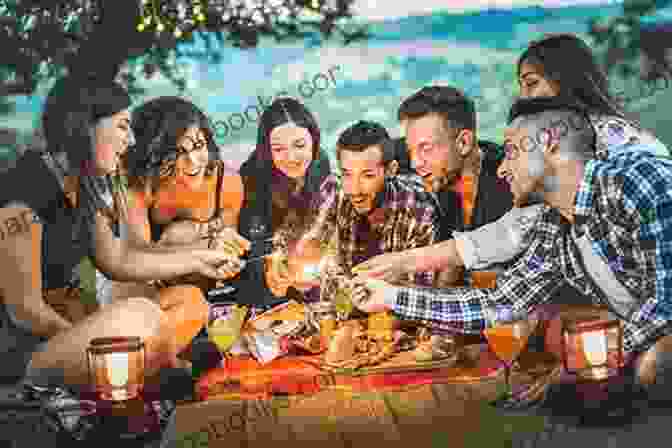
595 346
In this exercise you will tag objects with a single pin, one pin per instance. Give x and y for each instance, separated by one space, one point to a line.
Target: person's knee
653 369
140 313
188 297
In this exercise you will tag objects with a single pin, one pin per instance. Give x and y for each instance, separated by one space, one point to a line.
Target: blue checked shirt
624 208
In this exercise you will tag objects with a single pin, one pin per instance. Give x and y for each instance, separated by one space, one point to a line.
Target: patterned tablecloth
292 400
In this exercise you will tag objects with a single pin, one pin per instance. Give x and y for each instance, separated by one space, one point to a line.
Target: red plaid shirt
408 218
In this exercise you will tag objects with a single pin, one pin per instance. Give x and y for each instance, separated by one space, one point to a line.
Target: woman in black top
280 177
56 209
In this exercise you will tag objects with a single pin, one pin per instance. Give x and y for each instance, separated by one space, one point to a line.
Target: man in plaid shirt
375 210
606 229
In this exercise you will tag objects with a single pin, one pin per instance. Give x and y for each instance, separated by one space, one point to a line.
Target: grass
497 429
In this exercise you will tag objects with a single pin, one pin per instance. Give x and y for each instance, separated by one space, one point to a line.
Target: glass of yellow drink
225 331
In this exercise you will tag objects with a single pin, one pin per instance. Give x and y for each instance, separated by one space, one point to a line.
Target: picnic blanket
245 377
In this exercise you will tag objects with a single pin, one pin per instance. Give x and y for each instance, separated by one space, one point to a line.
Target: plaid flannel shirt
624 207
409 219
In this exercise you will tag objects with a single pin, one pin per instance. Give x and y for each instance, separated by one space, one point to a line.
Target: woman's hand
229 240
217 264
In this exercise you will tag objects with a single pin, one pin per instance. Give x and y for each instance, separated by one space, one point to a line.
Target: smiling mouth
194 172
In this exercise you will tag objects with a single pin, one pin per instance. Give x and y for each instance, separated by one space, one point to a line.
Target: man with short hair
441 138
605 229
373 210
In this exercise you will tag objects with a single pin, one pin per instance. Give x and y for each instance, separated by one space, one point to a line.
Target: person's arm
21 278
424 233
498 241
121 261
531 281
493 243
648 191
323 223
231 199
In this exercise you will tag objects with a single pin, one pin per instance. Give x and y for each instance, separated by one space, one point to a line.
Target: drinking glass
225 331
507 333
341 294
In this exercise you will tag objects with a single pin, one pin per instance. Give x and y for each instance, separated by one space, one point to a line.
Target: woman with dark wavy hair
59 207
180 192
281 176
563 65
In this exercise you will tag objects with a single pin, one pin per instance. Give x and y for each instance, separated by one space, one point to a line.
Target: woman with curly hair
61 208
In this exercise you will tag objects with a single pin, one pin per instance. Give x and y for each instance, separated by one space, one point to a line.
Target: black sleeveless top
32 183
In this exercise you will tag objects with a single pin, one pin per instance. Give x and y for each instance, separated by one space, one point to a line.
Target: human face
363 177
291 150
112 137
522 168
432 151
533 84
190 159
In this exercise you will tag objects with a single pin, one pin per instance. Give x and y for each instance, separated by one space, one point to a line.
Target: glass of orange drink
507 333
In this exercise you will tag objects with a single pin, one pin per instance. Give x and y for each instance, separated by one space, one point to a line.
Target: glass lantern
592 347
116 367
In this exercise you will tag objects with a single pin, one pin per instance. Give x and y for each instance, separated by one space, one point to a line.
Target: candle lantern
592 347
116 367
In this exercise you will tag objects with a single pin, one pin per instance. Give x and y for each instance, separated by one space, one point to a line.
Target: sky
391 9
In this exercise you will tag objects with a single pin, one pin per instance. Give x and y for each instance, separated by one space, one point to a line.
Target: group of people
574 207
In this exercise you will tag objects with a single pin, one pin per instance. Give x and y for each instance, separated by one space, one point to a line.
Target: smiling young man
373 210
605 229
443 148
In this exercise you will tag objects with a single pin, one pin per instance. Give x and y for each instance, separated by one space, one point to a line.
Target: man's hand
389 267
373 295
277 275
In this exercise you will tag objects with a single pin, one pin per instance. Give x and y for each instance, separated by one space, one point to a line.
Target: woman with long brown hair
62 208
281 176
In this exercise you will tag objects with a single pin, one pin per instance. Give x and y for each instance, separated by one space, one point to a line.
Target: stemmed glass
507 334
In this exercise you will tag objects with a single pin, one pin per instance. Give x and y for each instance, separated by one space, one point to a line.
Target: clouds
376 10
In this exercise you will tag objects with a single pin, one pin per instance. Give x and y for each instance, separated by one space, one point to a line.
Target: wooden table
442 413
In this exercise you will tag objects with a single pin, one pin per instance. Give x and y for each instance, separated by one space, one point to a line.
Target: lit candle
595 346
311 272
117 373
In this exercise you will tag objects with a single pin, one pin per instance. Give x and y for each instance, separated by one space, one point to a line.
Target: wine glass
507 334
